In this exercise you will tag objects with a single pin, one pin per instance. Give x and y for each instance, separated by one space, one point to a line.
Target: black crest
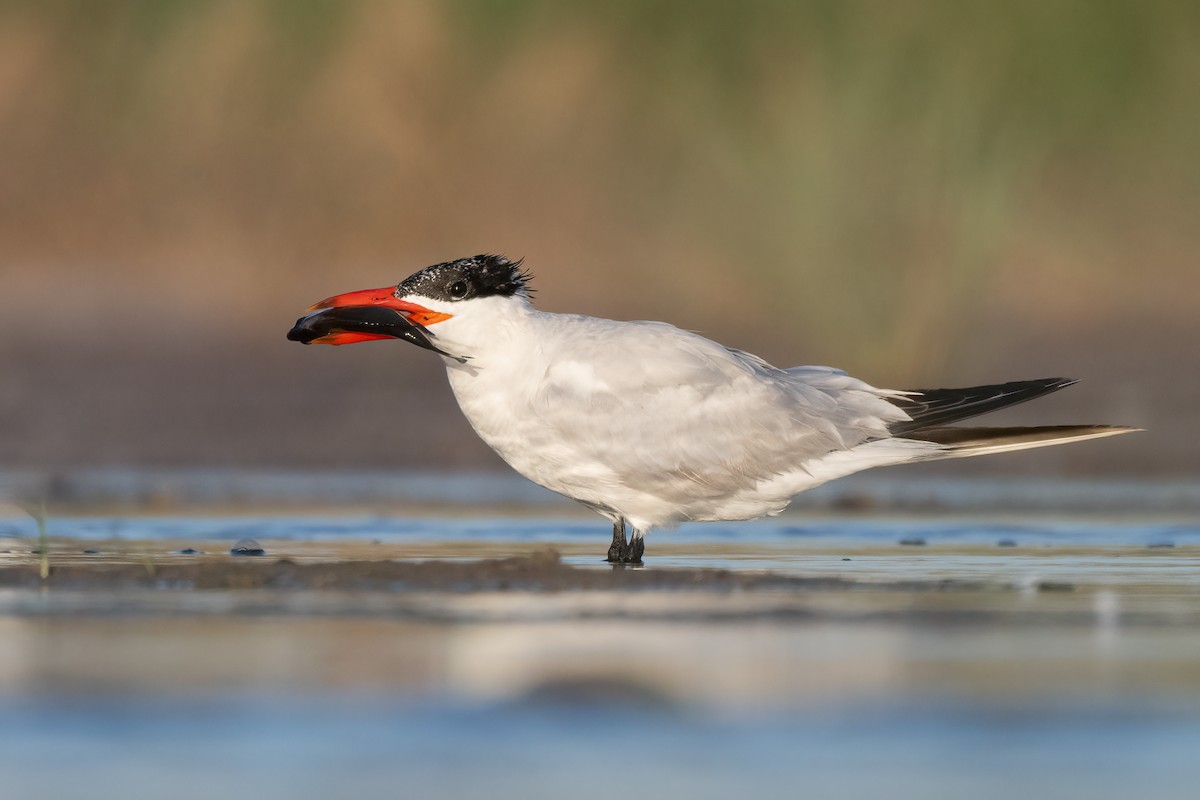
477 276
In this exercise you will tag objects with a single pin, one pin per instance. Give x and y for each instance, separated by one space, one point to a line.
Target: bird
651 425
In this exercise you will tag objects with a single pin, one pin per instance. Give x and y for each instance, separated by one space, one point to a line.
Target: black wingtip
934 407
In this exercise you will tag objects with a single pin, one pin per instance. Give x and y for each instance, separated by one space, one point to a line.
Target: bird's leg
618 548
637 546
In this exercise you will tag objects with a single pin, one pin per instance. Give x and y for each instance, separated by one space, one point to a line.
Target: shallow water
1063 663
319 749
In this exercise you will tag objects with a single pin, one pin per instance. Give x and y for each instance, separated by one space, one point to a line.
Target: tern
650 425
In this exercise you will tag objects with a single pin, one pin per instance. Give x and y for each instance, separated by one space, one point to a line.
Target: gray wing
656 404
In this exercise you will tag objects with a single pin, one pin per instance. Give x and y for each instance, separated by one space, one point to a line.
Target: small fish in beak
367 316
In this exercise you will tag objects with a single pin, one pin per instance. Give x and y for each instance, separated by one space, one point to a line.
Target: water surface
1047 657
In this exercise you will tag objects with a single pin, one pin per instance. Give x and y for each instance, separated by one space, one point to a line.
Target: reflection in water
1061 666
299 747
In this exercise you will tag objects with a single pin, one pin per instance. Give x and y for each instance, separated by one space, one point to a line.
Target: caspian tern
650 425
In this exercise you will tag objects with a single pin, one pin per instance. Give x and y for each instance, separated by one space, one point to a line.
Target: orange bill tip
365 297
381 297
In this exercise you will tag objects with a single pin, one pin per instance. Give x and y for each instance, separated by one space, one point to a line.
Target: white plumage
651 425
646 422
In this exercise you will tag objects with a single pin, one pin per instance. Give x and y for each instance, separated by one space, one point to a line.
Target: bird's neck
500 335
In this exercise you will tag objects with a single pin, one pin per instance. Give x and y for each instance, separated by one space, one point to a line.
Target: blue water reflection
372 747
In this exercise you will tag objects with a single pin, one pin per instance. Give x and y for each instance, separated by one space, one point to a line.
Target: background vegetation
920 192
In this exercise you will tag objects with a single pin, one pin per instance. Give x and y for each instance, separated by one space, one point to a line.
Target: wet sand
787 620
541 571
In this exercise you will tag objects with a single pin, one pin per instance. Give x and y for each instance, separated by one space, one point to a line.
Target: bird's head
458 297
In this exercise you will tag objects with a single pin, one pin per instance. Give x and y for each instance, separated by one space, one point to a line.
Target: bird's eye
458 290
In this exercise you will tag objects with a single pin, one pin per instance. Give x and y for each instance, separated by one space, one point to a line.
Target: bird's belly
591 466
546 454
537 452
543 452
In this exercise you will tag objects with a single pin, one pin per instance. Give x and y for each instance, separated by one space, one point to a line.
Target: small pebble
89 552
1006 543
915 541
190 551
247 547
845 559
1054 586
1156 545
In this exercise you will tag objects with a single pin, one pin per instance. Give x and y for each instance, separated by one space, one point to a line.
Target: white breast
654 424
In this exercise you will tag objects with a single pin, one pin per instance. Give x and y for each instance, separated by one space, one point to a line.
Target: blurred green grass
877 185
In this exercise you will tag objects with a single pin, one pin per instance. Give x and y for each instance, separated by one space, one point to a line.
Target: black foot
622 552
616 550
618 542
636 547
